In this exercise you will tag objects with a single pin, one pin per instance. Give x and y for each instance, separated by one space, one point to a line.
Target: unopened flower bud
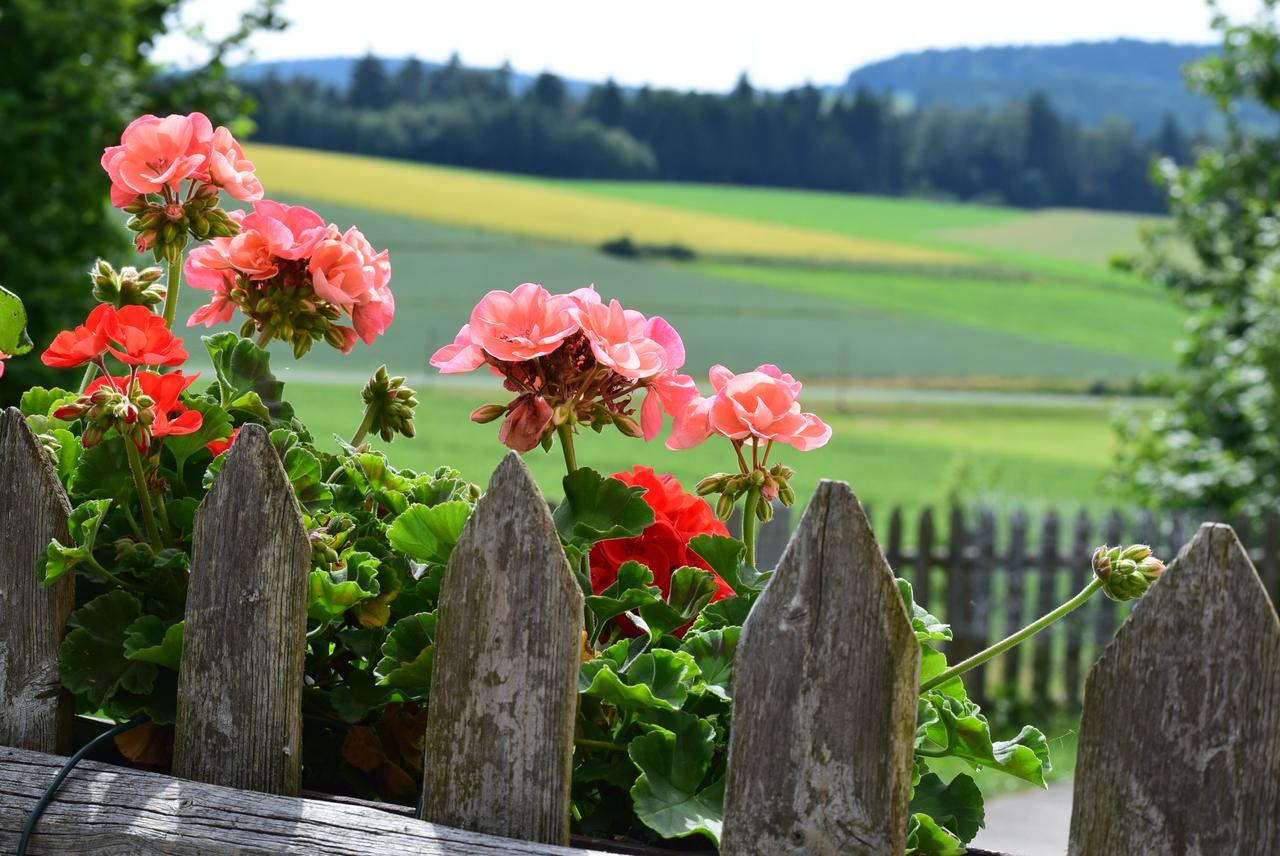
390 411
769 490
488 413
1126 572
764 511
627 425
712 484
724 507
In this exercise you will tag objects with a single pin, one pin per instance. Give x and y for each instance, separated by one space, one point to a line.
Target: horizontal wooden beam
111 811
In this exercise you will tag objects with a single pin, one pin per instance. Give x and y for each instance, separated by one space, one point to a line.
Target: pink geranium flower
155 153
231 170
345 269
760 405
514 326
624 340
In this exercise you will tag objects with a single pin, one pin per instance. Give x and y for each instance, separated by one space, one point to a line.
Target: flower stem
89 372
365 424
565 432
264 338
749 523
1005 644
174 261
144 495
599 744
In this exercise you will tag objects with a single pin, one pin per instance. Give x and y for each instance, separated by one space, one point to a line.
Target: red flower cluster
132 335
663 547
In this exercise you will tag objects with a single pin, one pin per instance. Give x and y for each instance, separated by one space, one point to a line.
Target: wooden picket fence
1179 745
989 576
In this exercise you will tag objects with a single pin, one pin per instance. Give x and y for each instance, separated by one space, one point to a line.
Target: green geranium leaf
654 680
242 368
713 651
13 325
103 473
408 654
596 508
730 612
335 591
669 796
37 405
215 425
691 590
67 456
1025 756
91 659
359 696
725 556
152 640
927 627
82 527
955 806
429 533
926 838
933 663
631 590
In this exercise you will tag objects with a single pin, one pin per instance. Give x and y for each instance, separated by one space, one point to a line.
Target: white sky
701 44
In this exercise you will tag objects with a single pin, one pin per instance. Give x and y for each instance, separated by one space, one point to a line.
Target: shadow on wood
1180 737
504 687
825 688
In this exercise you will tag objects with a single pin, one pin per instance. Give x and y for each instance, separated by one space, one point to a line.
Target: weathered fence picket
1015 597
825 687
35 713
240 685
1046 599
1180 738
499 743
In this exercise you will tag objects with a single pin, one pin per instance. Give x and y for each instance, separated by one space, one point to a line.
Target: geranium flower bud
769 490
1126 572
764 511
389 405
488 413
627 425
724 506
712 484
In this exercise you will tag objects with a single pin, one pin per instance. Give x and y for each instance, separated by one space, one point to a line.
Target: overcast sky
701 44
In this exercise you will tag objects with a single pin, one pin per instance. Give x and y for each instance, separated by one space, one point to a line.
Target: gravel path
1029 823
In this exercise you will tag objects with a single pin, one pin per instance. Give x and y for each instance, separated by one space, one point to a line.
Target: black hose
47 798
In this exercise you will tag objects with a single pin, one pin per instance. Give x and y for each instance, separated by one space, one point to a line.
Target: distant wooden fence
988 576
1178 751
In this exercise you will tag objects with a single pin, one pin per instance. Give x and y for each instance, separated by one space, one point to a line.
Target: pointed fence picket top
35 712
825 689
499 742
1180 739
240 686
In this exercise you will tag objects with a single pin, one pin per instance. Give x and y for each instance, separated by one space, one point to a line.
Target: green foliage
244 379
408 654
74 74
82 526
14 340
1215 446
670 795
596 508
429 533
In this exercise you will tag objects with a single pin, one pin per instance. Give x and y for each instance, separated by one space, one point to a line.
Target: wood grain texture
35 712
108 811
1180 740
240 687
825 687
499 742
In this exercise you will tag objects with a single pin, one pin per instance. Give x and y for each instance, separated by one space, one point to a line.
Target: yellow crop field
497 203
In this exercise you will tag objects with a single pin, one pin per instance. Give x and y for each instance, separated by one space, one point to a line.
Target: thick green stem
1005 644
587 743
749 523
264 338
90 371
144 495
174 261
365 424
565 432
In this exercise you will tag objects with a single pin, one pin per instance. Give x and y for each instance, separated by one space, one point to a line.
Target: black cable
30 825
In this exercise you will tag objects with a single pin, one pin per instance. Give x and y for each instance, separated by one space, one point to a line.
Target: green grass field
839 289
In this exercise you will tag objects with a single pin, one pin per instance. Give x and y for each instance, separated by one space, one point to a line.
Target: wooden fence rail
1179 744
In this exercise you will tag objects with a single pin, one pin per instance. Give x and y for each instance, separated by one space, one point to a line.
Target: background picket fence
1178 749
990 575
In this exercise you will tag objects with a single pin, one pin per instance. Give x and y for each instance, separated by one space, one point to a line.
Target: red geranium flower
84 344
169 414
663 547
217 447
138 337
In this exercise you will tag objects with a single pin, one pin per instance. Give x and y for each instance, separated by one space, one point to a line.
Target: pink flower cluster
760 406
570 358
156 154
289 247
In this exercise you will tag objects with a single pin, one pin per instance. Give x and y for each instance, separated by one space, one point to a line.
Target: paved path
1029 823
